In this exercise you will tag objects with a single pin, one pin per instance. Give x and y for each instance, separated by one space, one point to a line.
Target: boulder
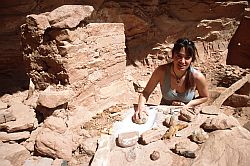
225 148
69 16
39 21
52 98
25 119
53 144
237 100
56 124
15 153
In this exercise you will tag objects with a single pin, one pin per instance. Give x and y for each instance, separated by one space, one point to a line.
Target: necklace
178 79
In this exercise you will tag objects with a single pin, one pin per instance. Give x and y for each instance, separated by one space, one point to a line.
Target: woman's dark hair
188 44
192 51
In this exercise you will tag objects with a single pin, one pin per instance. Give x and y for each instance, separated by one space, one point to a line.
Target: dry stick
229 91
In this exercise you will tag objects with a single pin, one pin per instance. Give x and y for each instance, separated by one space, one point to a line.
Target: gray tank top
169 95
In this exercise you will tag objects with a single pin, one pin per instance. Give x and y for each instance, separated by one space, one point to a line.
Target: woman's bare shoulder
160 71
162 68
198 75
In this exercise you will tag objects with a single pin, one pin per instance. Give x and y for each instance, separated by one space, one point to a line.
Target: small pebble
155 155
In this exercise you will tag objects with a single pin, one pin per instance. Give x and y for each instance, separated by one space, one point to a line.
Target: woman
178 80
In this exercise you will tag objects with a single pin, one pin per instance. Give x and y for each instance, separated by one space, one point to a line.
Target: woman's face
182 60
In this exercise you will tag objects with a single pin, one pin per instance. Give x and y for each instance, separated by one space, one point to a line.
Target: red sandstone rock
51 98
151 136
187 115
128 139
69 16
25 118
186 148
199 136
53 144
6 137
220 122
237 100
225 147
15 153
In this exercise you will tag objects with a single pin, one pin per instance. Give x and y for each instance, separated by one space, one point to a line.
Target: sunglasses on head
185 42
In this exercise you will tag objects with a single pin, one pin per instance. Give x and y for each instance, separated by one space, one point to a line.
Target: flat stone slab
126 125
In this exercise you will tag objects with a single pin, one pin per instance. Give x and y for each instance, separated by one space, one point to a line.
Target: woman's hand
138 113
178 103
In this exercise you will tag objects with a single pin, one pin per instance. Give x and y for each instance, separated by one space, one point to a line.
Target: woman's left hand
178 103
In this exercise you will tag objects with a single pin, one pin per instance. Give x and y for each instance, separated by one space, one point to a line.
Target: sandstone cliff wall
150 29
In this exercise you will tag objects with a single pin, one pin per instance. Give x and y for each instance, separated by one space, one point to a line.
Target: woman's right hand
138 113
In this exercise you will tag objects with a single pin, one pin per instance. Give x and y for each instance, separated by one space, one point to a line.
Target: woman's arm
202 87
143 98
